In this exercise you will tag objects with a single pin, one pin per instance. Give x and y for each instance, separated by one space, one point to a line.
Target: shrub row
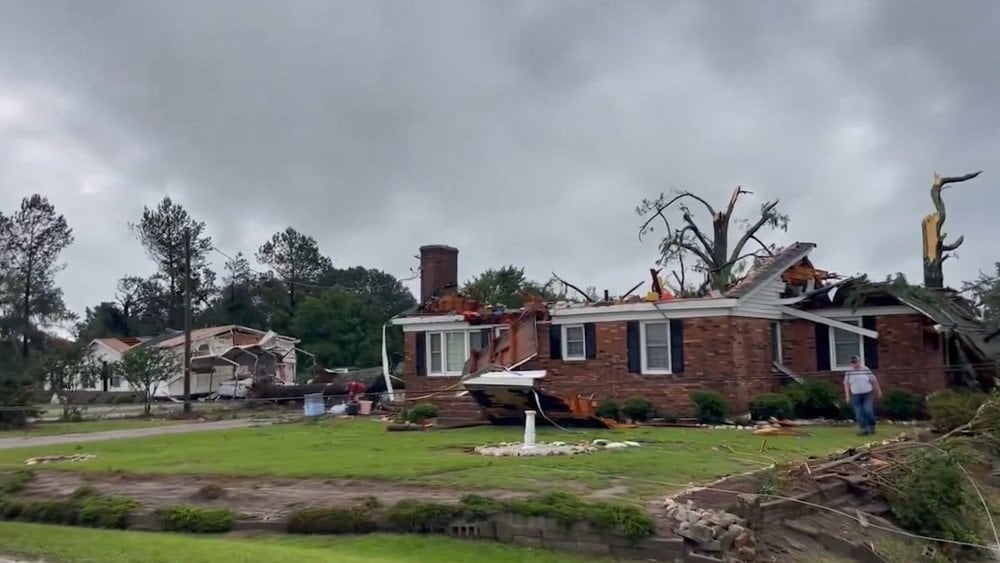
420 516
85 507
196 520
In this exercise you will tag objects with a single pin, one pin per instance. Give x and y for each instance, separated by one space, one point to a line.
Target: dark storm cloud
520 132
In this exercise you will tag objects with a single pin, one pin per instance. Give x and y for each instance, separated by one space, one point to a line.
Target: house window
476 340
574 347
448 352
845 344
501 330
655 347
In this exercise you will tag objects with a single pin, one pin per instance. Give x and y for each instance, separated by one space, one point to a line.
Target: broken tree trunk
935 247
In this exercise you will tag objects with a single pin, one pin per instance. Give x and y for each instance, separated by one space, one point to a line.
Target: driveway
29 441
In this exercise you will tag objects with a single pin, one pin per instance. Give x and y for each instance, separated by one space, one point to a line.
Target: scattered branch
573 287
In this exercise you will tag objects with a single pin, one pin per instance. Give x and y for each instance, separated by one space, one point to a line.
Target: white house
218 354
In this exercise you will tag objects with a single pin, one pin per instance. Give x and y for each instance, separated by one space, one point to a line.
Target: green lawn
80 545
363 449
84 427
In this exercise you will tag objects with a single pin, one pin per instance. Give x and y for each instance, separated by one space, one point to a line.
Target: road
29 441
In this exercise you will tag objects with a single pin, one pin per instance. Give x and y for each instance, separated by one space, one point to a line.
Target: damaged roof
770 268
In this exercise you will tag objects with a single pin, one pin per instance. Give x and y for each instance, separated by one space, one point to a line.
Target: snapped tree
936 250
145 368
708 250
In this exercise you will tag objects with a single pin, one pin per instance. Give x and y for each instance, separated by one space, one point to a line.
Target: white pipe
529 430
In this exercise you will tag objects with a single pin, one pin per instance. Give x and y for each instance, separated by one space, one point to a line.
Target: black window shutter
555 342
590 340
871 344
822 347
676 346
420 354
634 343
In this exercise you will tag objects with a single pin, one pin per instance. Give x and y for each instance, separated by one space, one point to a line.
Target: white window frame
642 348
565 341
444 353
833 345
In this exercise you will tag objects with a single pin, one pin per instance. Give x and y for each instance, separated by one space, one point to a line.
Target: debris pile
517 449
57 458
711 531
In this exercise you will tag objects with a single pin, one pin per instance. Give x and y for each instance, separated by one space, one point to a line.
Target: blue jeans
864 410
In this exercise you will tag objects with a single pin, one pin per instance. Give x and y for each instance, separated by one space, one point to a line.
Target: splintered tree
935 248
161 232
295 259
32 240
708 250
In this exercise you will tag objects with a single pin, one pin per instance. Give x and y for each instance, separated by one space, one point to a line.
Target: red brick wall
909 357
730 355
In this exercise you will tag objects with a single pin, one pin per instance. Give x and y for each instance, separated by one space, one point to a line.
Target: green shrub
929 497
814 399
568 509
50 512
10 508
83 492
709 407
331 521
422 411
950 409
845 411
196 520
476 507
638 409
608 408
900 404
421 516
99 511
771 405
16 482
668 416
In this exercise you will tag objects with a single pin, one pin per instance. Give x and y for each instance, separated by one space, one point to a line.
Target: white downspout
385 365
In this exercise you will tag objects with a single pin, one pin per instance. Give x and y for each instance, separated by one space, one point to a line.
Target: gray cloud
521 132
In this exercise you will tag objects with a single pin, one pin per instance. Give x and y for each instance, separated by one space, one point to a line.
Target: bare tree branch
948 247
577 289
763 246
705 241
943 182
733 198
660 208
765 216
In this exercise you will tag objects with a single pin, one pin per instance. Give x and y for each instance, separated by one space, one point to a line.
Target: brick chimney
438 271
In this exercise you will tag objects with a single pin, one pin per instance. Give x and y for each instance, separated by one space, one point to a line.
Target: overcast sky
521 133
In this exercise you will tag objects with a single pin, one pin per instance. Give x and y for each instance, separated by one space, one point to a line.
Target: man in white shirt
861 389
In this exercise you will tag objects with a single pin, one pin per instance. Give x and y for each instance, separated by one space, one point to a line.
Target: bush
845 411
16 482
668 416
196 520
422 411
950 409
929 498
608 408
771 405
710 407
331 521
568 509
420 516
638 409
10 508
814 399
50 512
210 492
99 511
900 404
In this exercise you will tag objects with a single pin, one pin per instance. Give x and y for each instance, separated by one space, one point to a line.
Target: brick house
778 324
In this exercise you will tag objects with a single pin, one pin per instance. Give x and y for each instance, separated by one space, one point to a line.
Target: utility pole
187 320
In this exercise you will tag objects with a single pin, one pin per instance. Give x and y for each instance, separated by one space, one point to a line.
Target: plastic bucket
366 407
313 405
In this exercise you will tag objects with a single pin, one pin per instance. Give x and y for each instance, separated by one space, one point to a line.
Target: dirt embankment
263 498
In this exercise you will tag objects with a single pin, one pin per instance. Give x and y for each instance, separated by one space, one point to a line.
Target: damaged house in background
784 321
225 360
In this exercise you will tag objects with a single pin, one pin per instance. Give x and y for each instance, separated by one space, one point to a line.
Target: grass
668 458
77 545
84 427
